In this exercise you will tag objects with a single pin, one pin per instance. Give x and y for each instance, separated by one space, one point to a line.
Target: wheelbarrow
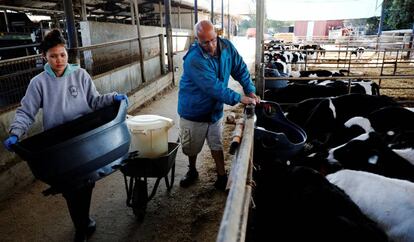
137 170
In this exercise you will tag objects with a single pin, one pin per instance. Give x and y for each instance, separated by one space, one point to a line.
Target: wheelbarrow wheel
140 199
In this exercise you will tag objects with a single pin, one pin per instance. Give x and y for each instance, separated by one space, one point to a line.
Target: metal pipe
131 6
410 44
234 220
222 16
71 30
168 31
212 11
83 10
340 77
179 16
30 9
259 35
228 20
192 18
195 12
141 54
162 53
6 19
161 17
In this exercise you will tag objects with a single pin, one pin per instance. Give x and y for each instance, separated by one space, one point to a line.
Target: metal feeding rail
234 222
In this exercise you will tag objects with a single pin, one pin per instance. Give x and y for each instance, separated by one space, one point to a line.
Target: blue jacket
203 86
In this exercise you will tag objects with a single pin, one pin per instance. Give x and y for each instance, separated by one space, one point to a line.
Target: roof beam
40 10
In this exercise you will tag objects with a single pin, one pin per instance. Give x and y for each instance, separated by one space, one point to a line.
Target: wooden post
141 54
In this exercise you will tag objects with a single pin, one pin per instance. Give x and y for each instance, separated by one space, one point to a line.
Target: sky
286 10
322 9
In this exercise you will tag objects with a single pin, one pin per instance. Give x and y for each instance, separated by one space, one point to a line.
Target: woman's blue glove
120 97
10 141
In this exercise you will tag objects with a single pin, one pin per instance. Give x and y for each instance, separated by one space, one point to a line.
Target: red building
316 28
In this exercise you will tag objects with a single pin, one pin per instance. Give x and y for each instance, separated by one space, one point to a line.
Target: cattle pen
390 68
386 61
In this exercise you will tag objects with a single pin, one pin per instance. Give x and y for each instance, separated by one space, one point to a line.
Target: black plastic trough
275 137
82 150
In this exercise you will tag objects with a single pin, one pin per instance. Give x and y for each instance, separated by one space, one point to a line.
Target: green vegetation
270 26
399 14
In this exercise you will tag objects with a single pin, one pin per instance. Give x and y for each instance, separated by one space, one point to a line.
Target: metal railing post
162 53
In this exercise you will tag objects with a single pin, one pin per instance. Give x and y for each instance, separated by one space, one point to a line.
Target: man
203 90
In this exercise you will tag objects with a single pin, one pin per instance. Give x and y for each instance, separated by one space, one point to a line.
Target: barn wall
301 28
320 28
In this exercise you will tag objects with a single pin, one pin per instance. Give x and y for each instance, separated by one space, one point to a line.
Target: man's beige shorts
193 134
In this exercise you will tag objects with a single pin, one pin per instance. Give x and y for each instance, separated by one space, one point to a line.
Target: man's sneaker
189 178
221 182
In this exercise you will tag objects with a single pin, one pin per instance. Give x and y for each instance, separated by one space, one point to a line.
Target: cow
358 52
296 92
357 86
388 202
330 114
289 198
369 152
399 129
318 73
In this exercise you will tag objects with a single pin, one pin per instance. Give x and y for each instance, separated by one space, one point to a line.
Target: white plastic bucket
149 135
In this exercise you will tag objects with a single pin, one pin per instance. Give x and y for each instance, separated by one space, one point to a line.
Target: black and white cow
357 86
369 152
358 52
288 199
394 123
330 114
296 92
318 73
387 201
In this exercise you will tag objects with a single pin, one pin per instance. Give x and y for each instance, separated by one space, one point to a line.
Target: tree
399 14
372 26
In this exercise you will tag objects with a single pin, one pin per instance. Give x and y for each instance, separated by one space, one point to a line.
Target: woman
64 92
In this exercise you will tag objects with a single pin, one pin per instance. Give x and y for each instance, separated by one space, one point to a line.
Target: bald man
203 90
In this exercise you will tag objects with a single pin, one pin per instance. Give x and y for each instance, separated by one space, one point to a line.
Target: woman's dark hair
52 39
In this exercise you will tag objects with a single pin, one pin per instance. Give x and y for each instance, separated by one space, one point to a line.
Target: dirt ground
191 214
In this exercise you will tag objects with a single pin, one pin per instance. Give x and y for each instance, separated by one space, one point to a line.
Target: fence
15 74
367 41
234 222
391 68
